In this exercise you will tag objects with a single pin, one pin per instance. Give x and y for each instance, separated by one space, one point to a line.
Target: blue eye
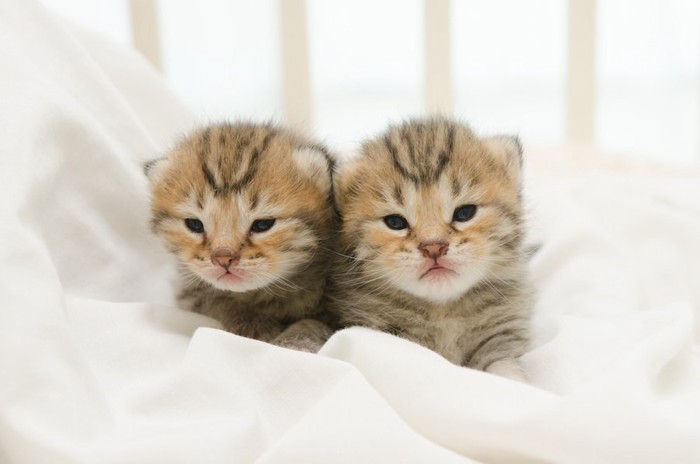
464 213
395 222
261 225
195 225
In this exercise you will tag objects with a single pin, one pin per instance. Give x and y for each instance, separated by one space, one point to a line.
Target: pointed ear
316 162
508 150
154 169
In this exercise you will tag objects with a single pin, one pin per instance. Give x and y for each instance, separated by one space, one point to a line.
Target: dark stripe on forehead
243 141
210 177
423 151
451 139
206 138
406 138
441 164
204 151
252 167
398 195
393 150
456 186
445 154
242 144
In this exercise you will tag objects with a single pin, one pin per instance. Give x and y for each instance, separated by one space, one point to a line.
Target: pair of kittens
421 236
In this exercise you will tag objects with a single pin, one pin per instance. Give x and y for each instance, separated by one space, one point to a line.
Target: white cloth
97 365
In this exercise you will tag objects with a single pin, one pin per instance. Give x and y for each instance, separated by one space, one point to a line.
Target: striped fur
474 311
227 176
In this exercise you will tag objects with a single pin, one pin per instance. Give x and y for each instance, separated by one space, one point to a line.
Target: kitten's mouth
229 277
437 271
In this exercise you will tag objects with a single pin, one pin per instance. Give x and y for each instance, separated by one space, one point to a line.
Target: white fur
315 165
507 150
508 368
446 288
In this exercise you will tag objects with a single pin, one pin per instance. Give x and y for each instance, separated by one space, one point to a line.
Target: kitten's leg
265 329
305 335
497 352
508 368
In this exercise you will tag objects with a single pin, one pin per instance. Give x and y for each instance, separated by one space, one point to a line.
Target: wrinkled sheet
98 365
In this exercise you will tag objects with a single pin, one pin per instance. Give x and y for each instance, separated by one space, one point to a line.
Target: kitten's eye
395 222
464 213
261 225
195 225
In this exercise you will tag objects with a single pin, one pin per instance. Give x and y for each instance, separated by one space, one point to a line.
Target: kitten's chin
440 285
233 282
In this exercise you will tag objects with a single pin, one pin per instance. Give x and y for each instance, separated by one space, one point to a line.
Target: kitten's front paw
508 368
298 344
305 335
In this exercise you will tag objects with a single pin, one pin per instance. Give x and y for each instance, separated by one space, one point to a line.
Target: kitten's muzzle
225 257
433 250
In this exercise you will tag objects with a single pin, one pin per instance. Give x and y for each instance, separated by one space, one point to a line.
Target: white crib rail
581 71
144 29
296 80
297 89
438 66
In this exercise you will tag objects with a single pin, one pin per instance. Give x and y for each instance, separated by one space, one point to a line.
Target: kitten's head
242 205
430 209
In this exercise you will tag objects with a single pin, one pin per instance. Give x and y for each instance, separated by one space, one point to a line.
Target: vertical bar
295 64
581 71
438 66
144 29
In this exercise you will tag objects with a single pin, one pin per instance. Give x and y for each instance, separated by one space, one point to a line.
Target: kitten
431 243
247 209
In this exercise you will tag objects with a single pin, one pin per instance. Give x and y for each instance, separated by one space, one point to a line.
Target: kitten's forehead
428 202
434 152
230 156
448 187
238 159
248 203
420 153
426 151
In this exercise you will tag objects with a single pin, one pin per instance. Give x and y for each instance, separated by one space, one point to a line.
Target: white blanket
97 365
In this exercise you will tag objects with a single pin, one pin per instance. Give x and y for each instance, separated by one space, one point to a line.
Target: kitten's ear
317 164
154 169
345 182
508 150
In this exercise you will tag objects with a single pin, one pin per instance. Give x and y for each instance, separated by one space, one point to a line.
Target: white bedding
98 366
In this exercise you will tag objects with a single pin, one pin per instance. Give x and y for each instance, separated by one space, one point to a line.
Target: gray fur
487 327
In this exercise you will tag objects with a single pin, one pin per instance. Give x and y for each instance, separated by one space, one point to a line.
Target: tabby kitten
431 244
247 209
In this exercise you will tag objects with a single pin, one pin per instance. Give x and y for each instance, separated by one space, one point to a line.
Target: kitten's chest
445 335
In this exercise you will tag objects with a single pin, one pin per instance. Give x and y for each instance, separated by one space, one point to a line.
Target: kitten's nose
224 257
433 249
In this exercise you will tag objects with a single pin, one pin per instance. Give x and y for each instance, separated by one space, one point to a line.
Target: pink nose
224 257
433 250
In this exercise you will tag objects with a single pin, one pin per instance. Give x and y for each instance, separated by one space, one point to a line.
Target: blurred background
617 75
